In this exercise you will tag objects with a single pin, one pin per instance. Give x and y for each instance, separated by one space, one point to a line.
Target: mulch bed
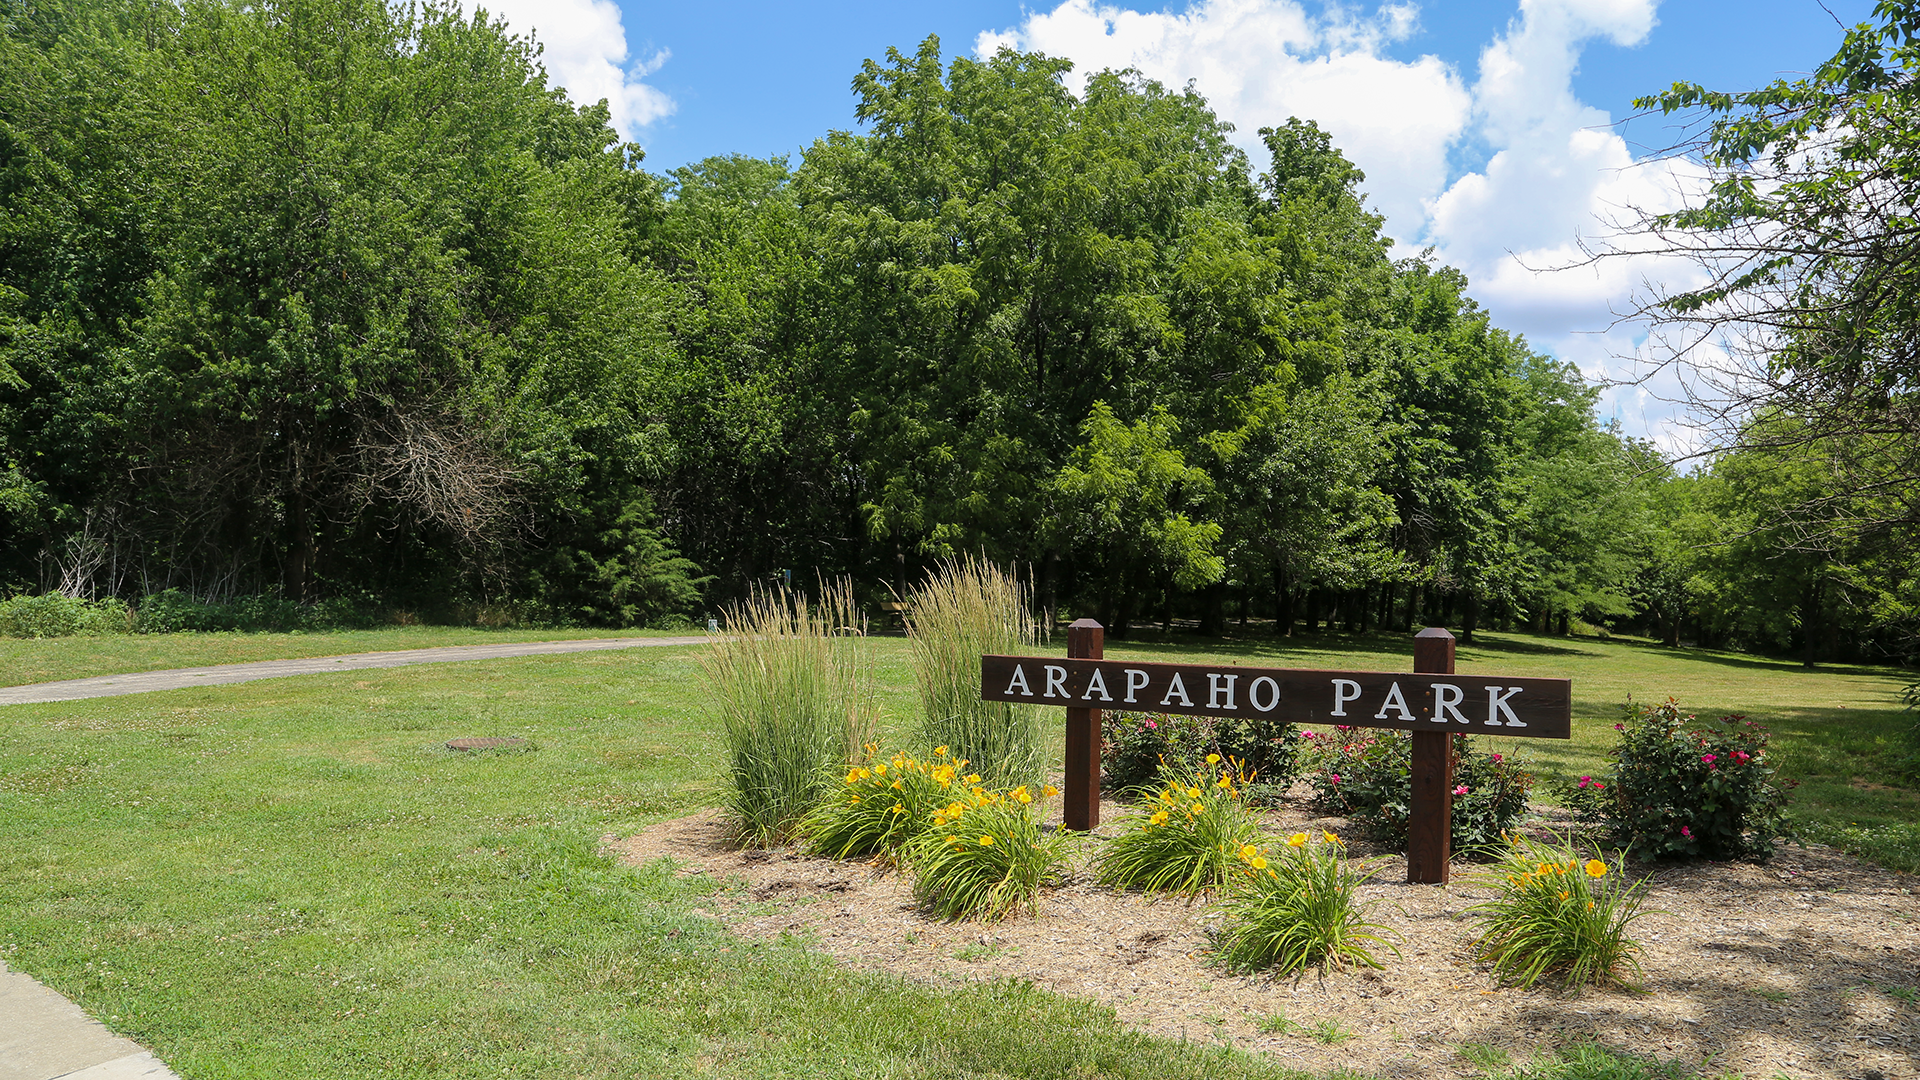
1784 968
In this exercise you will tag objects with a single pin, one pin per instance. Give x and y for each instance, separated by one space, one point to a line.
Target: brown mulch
1756 970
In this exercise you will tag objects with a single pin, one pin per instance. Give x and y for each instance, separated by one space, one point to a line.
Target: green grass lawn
295 878
52 659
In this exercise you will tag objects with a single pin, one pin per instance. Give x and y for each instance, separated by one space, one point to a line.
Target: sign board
1433 702
1473 704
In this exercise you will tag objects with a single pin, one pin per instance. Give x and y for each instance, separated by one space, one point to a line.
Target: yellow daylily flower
1596 868
987 840
1213 759
1298 839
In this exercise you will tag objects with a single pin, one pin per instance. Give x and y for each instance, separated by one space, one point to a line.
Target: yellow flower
939 818
973 778
1298 839
1541 869
1024 797
1197 808
1248 851
1226 781
941 750
953 840
856 798
898 809
1596 868
1563 894
1193 793
896 785
1331 839
1213 759
1159 818
852 775
1166 796
1049 790
987 840
1259 862
880 769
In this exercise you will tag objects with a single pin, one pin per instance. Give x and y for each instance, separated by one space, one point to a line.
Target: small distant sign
1479 704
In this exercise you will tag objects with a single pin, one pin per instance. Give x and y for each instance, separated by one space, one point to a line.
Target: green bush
1678 787
1294 908
1138 750
57 615
1188 840
175 610
1365 775
1558 914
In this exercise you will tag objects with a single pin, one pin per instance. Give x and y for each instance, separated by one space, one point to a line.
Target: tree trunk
1471 618
1809 623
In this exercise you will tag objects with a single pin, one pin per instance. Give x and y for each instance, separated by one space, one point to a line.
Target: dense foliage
314 299
1366 775
1681 787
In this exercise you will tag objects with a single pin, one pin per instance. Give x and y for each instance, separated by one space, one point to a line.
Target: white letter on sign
1056 676
1177 687
1136 684
1253 694
1446 698
1341 695
1395 700
1497 704
1020 680
1098 682
1214 690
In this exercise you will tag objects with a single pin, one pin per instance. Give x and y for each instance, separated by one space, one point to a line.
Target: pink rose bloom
1461 790
1497 757
1708 758
1686 832
1151 724
1335 778
1619 727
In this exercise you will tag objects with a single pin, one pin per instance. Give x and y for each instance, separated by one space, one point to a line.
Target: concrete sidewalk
43 1036
174 678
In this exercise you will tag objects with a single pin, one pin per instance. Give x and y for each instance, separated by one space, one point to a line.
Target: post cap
1435 632
1084 624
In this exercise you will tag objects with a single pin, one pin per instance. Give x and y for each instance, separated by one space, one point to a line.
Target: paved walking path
172 679
43 1036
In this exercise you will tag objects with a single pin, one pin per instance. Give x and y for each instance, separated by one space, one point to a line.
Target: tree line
326 298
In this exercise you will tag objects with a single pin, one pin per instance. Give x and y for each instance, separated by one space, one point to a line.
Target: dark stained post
1086 640
1430 824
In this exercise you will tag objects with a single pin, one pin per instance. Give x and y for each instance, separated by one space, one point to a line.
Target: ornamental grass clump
1560 913
1293 907
795 693
966 610
984 855
1189 837
883 803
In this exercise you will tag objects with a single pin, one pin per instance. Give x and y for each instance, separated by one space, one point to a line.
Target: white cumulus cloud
586 52
1261 61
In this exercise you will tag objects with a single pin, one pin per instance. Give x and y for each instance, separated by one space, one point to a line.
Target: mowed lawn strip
1839 729
296 879
37 660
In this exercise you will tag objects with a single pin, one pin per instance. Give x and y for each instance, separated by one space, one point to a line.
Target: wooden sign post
1433 703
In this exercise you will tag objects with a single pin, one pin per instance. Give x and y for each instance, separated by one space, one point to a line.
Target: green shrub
964 611
1681 788
1190 837
1138 749
795 695
1558 914
882 804
985 857
1294 908
174 611
1365 775
57 615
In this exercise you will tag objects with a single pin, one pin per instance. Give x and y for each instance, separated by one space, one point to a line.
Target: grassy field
52 659
296 878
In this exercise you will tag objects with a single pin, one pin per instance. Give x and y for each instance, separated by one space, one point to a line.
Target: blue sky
1489 131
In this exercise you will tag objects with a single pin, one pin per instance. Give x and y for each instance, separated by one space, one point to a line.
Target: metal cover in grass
490 742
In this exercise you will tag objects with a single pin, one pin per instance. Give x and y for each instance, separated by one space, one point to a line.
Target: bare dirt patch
1807 966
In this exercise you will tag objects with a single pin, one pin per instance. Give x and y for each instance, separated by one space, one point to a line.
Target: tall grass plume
796 697
967 609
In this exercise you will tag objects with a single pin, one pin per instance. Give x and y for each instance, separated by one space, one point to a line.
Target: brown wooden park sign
1432 702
